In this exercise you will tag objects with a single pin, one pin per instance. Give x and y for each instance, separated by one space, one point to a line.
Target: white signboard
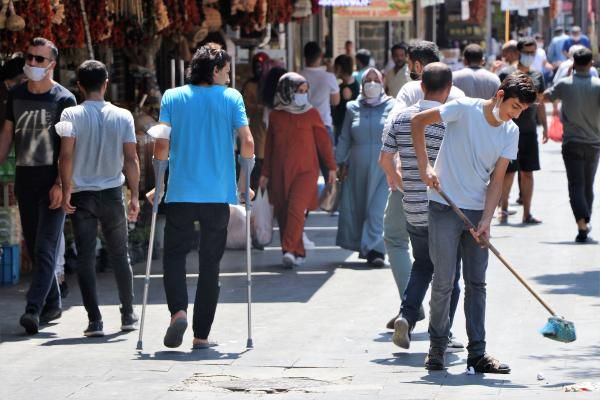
524 4
427 3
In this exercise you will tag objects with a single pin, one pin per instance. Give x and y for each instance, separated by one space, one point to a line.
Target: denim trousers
448 233
179 234
42 229
581 163
396 239
421 275
105 207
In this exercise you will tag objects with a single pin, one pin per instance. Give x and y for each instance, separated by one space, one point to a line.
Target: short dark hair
473 54
91 75
424 52
526 41
582 57
436 77
363 56
345 63
204 61
40 41
12 68
519 85
312 52
400 46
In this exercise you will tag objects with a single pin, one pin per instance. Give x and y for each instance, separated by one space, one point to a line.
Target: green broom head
559 329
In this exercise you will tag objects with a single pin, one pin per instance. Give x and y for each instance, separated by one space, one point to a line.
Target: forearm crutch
160 166
247 164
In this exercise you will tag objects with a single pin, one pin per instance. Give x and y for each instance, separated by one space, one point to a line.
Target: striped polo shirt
399 140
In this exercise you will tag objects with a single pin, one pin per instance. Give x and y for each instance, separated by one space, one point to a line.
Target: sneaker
487 364
390 323
435 359
375 258
31 323
454 346
94 329
50 314
401 337
308 244
531 220
288 260
299 261
129 321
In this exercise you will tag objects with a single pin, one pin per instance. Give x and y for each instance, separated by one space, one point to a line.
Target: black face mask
414 76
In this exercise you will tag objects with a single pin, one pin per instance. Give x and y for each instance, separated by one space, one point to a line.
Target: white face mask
372 89
300 99
35 74
527 59
496 110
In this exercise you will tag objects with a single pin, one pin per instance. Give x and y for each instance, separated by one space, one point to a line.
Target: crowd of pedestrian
400 141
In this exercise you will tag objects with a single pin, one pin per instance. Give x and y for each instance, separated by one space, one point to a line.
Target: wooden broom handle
486 243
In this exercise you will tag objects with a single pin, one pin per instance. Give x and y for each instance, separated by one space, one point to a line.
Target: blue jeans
104 206
421 274
396 239
42 229
446 233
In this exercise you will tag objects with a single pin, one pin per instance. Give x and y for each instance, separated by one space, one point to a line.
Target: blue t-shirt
469 152
201 155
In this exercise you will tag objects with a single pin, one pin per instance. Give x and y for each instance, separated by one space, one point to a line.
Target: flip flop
201 346
175 331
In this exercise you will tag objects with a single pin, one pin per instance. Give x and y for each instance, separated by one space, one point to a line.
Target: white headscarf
374 101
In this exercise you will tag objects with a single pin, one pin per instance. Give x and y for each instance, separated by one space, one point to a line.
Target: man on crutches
195 138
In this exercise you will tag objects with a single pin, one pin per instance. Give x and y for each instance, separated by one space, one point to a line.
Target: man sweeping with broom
195 136
480 140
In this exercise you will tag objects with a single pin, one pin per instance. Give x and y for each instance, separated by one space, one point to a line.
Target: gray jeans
446 233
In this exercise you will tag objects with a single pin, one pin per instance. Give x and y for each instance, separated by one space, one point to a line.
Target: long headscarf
374 101
284 95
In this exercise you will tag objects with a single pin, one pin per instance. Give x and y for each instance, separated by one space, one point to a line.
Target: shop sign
524 4
427 3
380 9
344 3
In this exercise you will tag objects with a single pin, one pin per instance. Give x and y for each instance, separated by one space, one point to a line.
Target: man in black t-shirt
528 158
32 110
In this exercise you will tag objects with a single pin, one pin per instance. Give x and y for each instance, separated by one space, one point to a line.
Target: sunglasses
38 59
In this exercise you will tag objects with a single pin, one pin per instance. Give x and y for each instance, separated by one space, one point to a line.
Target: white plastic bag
262 219
236 229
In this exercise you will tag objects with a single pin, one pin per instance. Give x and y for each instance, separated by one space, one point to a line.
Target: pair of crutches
160 167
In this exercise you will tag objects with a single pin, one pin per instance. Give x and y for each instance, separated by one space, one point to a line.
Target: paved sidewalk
319 331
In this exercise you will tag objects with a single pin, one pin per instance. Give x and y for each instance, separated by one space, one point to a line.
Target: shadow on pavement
447 379
584 357
192 355
572 243
21 336
386 337
411 359
111 338
586 283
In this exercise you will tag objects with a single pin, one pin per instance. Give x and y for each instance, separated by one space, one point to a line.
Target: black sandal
487 364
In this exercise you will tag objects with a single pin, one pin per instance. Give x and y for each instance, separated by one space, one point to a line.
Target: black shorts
528 157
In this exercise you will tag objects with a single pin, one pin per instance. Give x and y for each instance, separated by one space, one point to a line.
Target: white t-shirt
469 152
321 85
540 60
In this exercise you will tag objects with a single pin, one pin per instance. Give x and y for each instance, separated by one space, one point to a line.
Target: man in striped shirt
436 84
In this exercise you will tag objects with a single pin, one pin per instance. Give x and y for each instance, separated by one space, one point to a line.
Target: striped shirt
399 139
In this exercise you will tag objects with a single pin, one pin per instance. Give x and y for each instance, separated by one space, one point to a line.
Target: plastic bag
330 197
555 132
236 229
262 219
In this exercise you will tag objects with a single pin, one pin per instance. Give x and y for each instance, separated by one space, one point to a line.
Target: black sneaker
435 359
376 258
129 321
487 364
31 323
50 314
94 329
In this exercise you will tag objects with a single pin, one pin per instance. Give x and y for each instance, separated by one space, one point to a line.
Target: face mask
372 89
496 110
526 60
414 76
35 74
300 99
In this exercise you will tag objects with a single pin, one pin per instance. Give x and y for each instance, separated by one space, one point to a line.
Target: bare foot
178 315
